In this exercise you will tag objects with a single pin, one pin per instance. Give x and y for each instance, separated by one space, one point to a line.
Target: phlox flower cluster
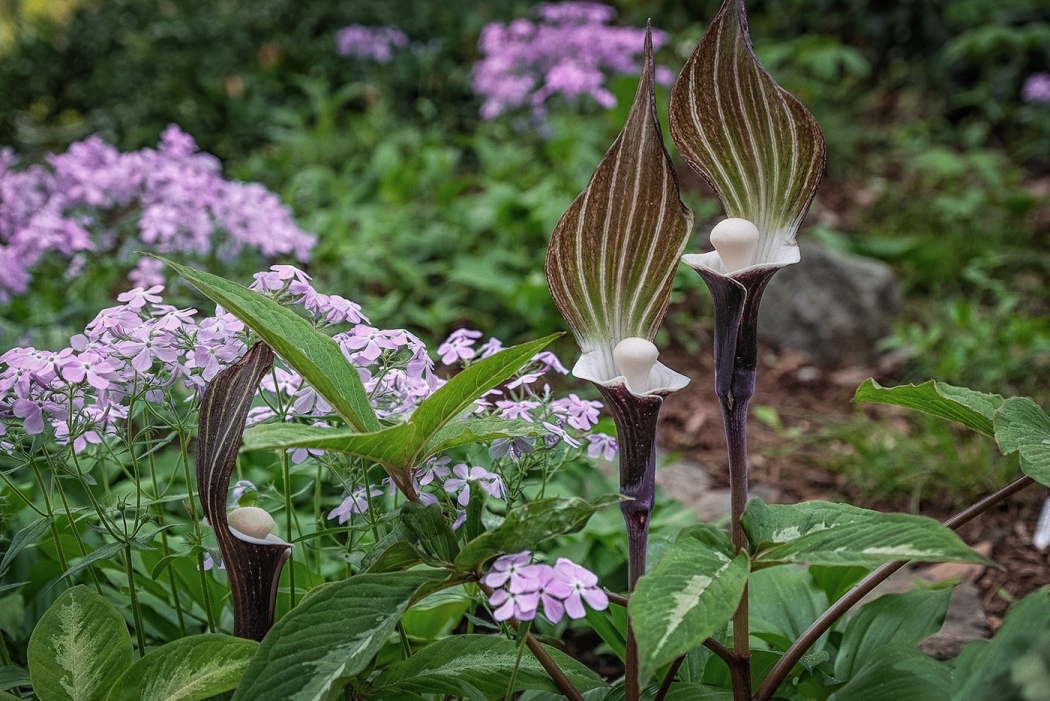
371 43
174 195
569 51
521 588
1036 88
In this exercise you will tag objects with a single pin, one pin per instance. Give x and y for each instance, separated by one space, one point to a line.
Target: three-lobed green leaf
689 595
826 533
79 648
190 669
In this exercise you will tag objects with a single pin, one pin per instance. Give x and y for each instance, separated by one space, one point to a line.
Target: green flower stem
76 534
54 526
559 678
287 473
782 668
133 594
165 548
209 614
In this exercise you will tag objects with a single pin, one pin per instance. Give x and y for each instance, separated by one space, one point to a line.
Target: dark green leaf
427 523
332 634
826 533
480 430
23 539
396 551
604 623
996 670
190 669
892 618
613 254
900 673
475 509
11 676
1021 426
485 662
959 404
782 603
757 145
528 525
79 648
312 354
836 581
691 594
390 447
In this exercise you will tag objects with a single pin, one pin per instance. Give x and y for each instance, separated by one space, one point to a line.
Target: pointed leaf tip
755 143
614 252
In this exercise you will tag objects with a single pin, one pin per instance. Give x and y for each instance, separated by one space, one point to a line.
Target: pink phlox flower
369 342
436 470
464 475
553 607
550 362
147 344
307 401
138 297
354 503
573 12
89 365
524 379
490 347
514 571
147 273
374 43
286 382
510 409
1036 88
239 490
461 518
602 446
299 455
580 413
84 435
576 585
258 414
482 404
339 310
507 605
31 411
113 320
458 346
171 318
209 562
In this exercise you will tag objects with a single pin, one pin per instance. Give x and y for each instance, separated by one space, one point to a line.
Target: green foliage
191 669
1022 427
973 410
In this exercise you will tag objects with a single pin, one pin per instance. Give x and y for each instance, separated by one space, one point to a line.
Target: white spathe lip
785 254
598 366
270 539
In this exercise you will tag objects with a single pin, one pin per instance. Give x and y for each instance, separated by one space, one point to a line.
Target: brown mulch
809 399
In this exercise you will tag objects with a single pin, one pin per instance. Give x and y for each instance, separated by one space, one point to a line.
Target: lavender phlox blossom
458 346
145 345
1036 88
459 485
241 488
510 409
147 272
209 562
88 366
138 297
277 278
549 361
374 43
556 432
601 445
520 587
81 439
368 342
581 414
354 503
570 51
490 347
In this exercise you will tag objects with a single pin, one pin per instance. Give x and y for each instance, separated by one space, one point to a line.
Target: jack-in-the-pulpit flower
610 266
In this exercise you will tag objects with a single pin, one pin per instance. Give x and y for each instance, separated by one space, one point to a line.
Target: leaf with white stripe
825 533
755 143
690 595
191 669
614 252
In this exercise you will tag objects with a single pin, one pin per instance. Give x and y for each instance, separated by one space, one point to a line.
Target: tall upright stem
734 414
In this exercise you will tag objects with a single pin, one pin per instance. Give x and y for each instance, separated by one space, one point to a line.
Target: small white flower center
635 358
251 521
736 241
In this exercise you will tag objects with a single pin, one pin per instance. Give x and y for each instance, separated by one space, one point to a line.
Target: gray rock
832 307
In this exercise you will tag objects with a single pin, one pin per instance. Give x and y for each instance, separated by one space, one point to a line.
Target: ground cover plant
402 522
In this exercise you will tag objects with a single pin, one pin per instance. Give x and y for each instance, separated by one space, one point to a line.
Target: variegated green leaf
1020 425
756 144
964 406
191 669
614 253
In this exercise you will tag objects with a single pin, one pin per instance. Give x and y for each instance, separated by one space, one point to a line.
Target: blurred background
432 164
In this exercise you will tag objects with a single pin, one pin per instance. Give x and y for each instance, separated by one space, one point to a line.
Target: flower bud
251 521
635 358
736 241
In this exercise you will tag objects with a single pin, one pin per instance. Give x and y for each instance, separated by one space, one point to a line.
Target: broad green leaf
436 539
825 533
782 603
836 581
312 354
613 255
900 673
11 676
332 634
528 525
1021 426
79 648
757 145
23 539
486 662
605 624
480 430
106 552
964 406
995 670
904 619
190 669
386 447
396 551
691 593
4 696
437 615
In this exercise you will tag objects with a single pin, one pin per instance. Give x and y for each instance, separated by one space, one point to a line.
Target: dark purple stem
635 417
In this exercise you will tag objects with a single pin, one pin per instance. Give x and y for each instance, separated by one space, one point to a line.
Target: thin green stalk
523 636
286 471
54 526
196 530
136 614
318 524
5 656
25 500
166 549
406 647
76 534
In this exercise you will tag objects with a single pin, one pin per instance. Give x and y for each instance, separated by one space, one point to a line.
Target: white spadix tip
251 521
635 358
736 241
